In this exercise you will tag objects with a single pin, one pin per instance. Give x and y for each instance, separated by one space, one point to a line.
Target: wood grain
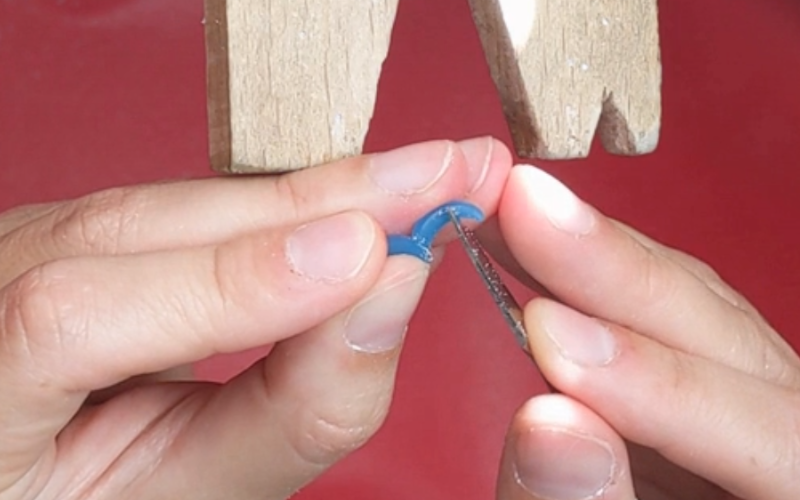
568 68
292 83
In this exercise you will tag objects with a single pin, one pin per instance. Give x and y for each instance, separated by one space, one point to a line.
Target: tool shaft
509 307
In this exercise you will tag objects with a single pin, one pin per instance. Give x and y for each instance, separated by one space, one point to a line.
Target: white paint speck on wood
292 83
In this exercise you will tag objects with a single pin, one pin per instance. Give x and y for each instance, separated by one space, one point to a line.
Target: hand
650 348
115 290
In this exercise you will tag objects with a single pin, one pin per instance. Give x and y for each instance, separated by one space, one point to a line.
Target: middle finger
735 430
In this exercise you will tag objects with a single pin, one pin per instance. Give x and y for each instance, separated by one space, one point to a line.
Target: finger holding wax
591 263
731 428
299 261
317 397
80 324
654 343
394 187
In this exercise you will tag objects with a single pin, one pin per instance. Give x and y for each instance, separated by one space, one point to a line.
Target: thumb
557 449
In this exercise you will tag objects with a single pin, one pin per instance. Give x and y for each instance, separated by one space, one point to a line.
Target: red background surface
97 93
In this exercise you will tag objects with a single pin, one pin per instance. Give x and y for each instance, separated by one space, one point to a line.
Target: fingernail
333 249
478 153
411 169
562 208
558 464
580 339
379 322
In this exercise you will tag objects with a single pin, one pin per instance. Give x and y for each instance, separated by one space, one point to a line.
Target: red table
97 93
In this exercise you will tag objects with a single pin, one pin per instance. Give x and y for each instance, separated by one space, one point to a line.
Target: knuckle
228 294
29 306
291 195
703 270
326 435
765 358
40 318
99 223
680 384
237 288
692 264
224 286
656 286
17 216
233 284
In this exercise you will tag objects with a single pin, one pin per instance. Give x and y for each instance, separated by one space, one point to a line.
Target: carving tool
509 307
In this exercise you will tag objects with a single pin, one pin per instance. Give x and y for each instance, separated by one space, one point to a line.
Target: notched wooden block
292 83
568 68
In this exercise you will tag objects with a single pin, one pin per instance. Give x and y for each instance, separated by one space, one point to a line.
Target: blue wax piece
424 232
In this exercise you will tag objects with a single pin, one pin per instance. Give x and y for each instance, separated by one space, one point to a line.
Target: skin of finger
737 431
495 169
491 239
716 284
655 477
311 402
106 448
559 412
698 268
19 216
87 323
608 274
202 212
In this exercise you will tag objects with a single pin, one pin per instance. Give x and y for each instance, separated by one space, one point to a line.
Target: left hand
673 385
104 295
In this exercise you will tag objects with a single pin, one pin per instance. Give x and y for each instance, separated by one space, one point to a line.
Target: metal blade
509 308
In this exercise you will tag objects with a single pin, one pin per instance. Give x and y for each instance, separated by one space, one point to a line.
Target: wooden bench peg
292 83
567 68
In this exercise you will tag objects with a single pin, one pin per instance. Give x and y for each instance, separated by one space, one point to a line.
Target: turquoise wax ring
424 231
404 245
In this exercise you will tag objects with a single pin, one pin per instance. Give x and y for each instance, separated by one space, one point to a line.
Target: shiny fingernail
411 169
478 154
580 339
562 208
333 249
557 464
379 322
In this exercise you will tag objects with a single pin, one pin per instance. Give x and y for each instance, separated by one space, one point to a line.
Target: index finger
590 263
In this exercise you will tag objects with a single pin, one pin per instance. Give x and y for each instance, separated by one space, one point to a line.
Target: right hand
672 383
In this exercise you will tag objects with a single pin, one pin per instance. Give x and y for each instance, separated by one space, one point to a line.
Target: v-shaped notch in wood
293 83
568 68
